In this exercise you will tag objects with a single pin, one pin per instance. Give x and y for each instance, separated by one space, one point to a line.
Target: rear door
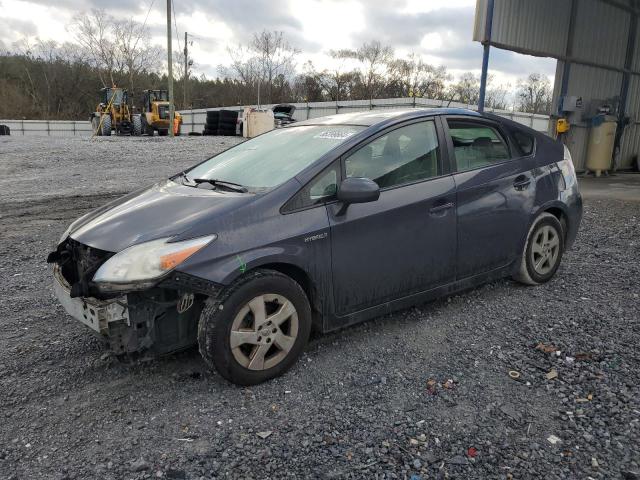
495 194
404 242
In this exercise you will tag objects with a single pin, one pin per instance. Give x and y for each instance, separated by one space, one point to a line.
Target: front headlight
148 261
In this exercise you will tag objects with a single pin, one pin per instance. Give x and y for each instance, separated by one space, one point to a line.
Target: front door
495 195
404 242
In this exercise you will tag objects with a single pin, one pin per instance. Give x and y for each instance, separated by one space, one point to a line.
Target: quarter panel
492 214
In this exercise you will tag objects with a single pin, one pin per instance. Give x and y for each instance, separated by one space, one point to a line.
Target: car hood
284 109
163 210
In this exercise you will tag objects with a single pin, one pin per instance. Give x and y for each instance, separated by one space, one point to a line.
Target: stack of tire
4 130
221 122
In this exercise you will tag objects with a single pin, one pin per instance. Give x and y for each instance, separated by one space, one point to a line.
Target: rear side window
476 145
524 142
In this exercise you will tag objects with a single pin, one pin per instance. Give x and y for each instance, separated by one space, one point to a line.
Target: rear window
525 142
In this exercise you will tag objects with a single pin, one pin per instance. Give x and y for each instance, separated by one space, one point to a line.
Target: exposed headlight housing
147 262
71 227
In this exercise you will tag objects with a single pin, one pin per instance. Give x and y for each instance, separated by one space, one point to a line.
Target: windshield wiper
234 187
184 177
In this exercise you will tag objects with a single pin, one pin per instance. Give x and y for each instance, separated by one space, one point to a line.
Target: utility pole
170 68
186 72
486 43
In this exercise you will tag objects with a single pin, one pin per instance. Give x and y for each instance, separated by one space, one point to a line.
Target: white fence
58 128
194 120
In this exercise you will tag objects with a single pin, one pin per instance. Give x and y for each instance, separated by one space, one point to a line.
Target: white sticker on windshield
336 134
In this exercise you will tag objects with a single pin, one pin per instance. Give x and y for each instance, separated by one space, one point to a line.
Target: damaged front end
157 316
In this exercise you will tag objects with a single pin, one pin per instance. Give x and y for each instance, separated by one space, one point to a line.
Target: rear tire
163 132
137 126
542 251
106 126
256 329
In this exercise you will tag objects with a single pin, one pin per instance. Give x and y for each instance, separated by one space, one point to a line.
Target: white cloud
439 30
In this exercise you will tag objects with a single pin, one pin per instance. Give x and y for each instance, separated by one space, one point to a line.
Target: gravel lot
424 393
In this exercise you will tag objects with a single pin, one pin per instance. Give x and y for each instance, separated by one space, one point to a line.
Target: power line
175 24
144 24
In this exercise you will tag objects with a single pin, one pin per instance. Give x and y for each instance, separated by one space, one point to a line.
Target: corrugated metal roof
538 26
541 27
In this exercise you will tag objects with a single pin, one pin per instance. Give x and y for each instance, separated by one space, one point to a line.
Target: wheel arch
296 273
558 210
562 218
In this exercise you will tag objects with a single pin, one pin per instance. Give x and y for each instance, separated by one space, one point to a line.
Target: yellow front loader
155 113
114 114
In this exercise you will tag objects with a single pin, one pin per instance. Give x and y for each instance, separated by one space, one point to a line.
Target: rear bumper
575 218
95 314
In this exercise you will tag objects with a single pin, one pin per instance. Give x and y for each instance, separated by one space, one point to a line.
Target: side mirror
358 190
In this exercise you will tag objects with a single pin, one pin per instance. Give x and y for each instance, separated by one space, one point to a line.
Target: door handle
521 182
440 208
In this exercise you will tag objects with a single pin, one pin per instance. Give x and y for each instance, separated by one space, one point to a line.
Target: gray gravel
425 392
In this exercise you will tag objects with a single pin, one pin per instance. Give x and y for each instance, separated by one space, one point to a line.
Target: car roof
373 117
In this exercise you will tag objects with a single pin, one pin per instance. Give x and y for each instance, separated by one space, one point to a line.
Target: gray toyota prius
321 224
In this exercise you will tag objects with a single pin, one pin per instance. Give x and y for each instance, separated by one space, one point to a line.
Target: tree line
48 80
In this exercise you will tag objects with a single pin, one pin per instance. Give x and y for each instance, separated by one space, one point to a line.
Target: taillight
568 169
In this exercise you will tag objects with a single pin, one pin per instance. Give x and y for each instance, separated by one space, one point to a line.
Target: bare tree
338 76
466 90
534 94
93 31
374 59
498 97
135 54
269 56
117 48
275 57
413 77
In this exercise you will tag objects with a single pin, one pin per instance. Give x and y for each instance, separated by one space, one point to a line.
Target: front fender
226 270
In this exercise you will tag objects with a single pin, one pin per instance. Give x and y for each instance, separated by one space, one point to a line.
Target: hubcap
544 250
264 331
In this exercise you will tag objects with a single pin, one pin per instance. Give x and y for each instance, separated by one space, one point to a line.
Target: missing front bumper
156 321
95 314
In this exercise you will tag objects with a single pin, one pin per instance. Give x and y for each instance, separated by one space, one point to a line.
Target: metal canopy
597 46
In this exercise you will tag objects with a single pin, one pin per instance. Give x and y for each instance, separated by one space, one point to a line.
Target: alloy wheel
264 331
545 249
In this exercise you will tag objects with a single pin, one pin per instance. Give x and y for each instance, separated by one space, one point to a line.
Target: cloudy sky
439 30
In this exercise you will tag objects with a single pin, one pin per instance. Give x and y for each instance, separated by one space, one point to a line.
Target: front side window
271 159
404 155
321 189
476 145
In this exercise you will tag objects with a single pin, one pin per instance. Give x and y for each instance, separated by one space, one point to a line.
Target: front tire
256 329
542 252
137 126
106 126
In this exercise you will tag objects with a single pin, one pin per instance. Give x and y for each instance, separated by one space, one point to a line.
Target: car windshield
271 159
